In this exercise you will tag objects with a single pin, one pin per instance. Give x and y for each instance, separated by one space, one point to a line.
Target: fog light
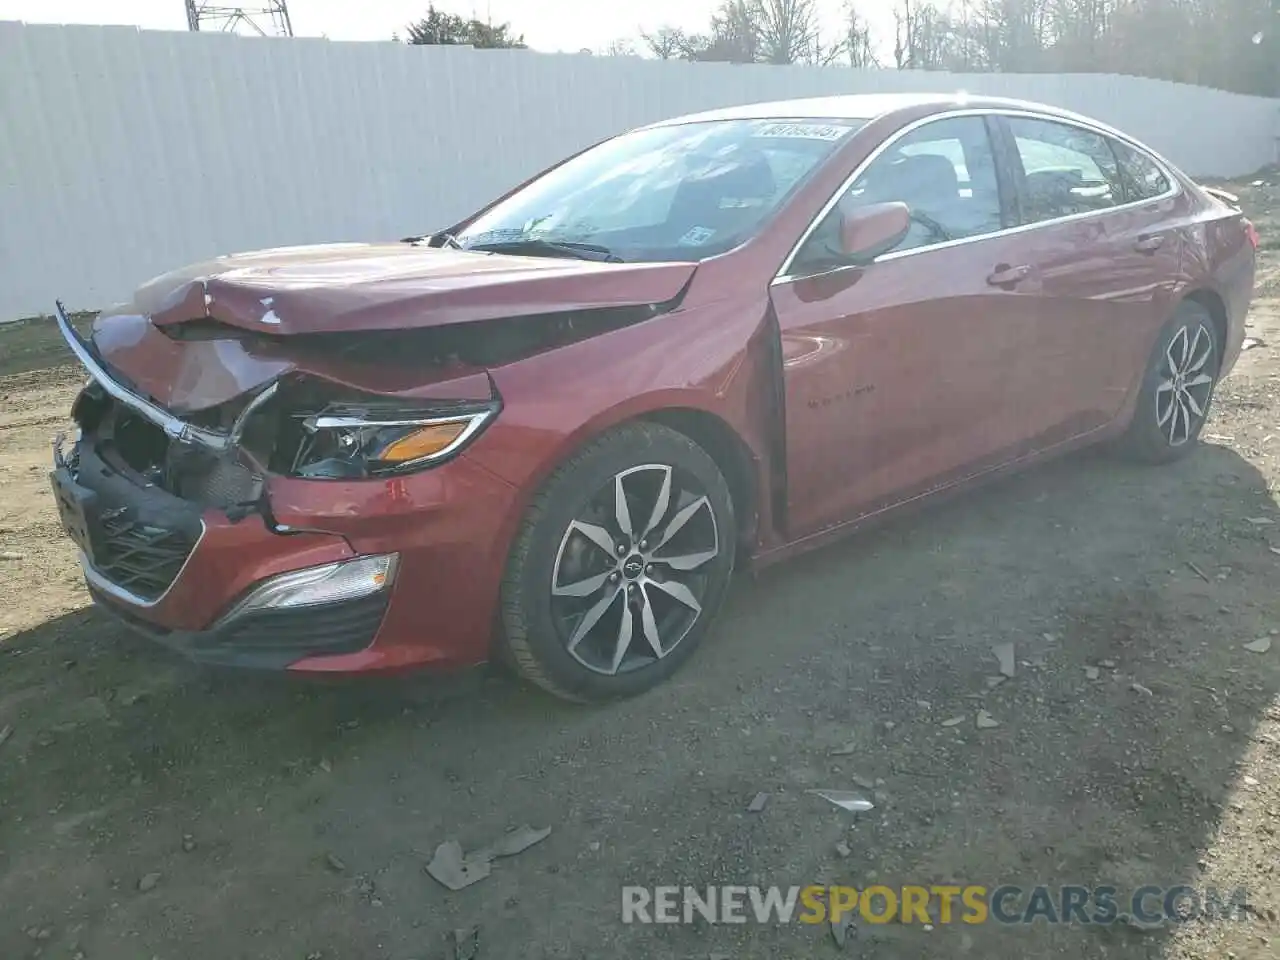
331 583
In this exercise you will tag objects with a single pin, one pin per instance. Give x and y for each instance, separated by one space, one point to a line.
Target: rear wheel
622 562
1177 387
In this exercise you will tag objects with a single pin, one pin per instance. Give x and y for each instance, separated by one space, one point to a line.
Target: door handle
1007 276
1149 244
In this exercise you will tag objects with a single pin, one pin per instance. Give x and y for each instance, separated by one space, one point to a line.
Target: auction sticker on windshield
696 237
803 131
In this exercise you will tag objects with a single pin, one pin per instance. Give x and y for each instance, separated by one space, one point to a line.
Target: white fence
125 153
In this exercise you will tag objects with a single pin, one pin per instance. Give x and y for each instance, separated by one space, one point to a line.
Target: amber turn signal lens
424 442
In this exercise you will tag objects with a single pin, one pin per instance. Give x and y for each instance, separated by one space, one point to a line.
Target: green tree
441 28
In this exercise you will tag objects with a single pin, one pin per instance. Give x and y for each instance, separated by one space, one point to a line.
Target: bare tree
1014 31
1079 30
903 35
823 54
1230 44
788 30
857 40
666 43
1235 47
926 37
762 31
735 35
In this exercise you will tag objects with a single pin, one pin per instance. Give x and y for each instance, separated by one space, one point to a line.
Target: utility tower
263 17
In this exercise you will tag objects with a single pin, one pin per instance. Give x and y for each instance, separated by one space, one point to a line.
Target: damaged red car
550 432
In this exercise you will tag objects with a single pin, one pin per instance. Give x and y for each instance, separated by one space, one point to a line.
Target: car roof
867 106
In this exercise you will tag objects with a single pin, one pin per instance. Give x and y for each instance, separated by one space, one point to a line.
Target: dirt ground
152 809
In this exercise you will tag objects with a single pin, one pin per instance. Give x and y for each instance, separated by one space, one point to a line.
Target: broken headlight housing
362 441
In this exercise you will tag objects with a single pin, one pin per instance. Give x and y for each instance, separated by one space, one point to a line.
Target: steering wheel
936 230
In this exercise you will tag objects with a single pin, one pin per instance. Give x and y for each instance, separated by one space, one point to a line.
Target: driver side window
944 171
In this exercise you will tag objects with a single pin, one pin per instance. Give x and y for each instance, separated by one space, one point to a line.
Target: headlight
342 443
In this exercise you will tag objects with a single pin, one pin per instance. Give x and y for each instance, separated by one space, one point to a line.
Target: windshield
681 192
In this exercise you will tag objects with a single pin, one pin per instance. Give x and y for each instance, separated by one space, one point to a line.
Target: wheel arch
729 450
1212 301
685 411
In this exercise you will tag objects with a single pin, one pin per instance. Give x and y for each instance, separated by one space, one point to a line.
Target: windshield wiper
563 248
446 240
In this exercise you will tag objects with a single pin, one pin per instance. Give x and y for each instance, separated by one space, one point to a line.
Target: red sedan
551 431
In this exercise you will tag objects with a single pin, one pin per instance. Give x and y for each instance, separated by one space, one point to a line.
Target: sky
567 25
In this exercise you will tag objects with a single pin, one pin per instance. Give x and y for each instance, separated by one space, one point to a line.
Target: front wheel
1177 387
622 562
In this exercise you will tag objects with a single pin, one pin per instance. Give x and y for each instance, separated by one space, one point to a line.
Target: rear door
1149 233
1097 234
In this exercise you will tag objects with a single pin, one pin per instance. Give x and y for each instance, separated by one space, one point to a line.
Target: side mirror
871 231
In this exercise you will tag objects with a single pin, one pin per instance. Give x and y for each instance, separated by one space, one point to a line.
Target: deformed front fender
712 361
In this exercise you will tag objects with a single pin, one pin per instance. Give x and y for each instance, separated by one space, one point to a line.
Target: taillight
1252 233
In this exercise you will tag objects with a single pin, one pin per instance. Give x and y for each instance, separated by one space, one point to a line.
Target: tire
1174 404
559 574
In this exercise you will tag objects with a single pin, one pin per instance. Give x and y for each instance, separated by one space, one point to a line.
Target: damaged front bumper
315 576
174 427
189 577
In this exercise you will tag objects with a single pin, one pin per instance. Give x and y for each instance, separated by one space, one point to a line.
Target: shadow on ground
309 811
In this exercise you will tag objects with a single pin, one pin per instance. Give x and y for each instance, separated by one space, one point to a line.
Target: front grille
139 557
331 628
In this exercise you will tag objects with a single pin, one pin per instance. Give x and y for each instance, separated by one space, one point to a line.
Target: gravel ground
149 808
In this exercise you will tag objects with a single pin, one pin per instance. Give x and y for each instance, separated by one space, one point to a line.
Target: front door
900 377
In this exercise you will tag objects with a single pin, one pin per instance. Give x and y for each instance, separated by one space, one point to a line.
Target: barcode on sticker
803 131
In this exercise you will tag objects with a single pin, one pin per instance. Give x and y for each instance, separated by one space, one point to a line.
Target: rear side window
1067 170
1142 177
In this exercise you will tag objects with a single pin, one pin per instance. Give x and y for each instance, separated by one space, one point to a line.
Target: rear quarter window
1142 177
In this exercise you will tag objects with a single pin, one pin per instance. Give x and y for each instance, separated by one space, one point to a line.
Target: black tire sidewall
527 589
1145 440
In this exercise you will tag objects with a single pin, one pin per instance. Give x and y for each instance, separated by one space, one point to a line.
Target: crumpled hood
186 376
346 288
351 287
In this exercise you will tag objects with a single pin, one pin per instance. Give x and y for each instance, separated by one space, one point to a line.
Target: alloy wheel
1186 382
630 573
